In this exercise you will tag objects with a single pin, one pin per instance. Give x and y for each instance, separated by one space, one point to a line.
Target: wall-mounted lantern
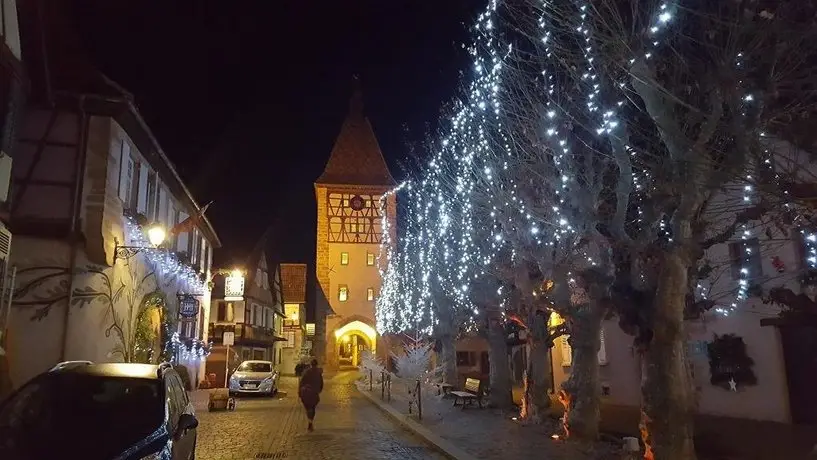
156 235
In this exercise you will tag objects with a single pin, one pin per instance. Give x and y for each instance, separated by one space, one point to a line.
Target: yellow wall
357 275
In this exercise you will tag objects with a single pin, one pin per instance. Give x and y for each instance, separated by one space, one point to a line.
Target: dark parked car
100 412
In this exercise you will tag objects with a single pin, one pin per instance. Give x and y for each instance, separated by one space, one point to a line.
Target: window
151 211
268 318
745 259
183 238
126 171
290 336
142 189
344 258
370 294
255 367
343 293
466 358
369 259
203 255
161 207
194 246
187 329
225 312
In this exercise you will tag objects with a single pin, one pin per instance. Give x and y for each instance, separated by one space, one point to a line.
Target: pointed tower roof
356 158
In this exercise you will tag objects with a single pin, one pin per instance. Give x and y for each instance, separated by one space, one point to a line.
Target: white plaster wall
34 344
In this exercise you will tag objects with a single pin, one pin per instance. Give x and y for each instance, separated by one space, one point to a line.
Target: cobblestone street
347 426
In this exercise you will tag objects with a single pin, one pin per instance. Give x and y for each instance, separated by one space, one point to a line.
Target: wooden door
800 356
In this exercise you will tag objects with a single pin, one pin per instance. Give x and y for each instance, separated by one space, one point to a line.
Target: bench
472 392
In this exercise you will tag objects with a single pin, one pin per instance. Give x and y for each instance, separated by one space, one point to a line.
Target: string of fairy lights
476 197
168 265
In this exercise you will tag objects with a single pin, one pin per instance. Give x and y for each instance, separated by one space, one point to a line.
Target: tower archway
352 340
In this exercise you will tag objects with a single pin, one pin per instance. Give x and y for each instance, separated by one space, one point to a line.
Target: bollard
419 401
631 445
382 385
371 378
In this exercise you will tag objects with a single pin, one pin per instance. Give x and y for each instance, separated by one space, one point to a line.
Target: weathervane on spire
356 102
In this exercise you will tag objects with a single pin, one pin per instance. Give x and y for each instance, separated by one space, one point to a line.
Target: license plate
250 386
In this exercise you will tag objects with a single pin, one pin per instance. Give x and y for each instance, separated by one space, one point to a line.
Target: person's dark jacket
311 386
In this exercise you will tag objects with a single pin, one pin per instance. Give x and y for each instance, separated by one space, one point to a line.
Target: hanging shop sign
188 306
234 287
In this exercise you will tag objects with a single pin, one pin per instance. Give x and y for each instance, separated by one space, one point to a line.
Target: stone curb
446 448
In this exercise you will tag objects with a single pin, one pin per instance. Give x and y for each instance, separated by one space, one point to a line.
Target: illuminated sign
188 306
234 287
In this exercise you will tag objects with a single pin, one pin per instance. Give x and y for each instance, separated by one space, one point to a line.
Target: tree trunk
581 393
501 393
448 356
535 399
666 420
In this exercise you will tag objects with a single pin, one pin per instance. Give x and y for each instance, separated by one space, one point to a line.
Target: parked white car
254 377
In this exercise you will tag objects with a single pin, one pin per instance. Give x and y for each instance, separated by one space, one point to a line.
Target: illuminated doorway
352 340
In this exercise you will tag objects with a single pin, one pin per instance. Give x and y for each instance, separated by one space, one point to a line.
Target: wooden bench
472 392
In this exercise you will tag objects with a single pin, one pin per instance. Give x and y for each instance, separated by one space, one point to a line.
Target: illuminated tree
680 106
606 147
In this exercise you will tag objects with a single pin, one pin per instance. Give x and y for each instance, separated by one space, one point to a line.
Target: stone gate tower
350 222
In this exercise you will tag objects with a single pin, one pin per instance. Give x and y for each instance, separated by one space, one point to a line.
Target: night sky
247 96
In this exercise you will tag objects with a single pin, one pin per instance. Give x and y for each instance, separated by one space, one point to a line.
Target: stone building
350 220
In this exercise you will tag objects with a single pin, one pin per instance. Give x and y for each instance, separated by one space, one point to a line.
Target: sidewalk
489 434
717 437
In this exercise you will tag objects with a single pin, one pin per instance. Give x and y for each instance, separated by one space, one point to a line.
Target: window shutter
183 237
602 349
142 190
203 255
162 208
567 353
194 246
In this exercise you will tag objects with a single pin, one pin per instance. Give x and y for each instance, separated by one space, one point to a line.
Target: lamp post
156 235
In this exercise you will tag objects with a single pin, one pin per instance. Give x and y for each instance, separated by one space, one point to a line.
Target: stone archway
352 339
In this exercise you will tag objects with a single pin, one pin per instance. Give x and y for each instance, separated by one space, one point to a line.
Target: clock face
356 203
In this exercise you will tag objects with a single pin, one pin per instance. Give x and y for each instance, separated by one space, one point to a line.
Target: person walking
309 390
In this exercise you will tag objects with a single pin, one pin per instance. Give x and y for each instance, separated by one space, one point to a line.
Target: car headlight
233 378
268 379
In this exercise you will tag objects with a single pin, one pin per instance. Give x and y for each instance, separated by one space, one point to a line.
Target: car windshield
67 415
255 367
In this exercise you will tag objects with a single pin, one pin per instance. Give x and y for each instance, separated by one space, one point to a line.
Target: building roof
293 283
62 73
356 158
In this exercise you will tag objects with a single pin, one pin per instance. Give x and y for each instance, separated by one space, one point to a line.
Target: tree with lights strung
678 98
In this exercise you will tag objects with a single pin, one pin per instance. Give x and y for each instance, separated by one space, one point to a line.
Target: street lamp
156 235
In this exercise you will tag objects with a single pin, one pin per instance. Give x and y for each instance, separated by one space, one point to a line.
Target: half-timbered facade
256 320
349 229
91 179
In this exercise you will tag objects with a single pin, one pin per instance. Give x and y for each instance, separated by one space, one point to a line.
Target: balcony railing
245 334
